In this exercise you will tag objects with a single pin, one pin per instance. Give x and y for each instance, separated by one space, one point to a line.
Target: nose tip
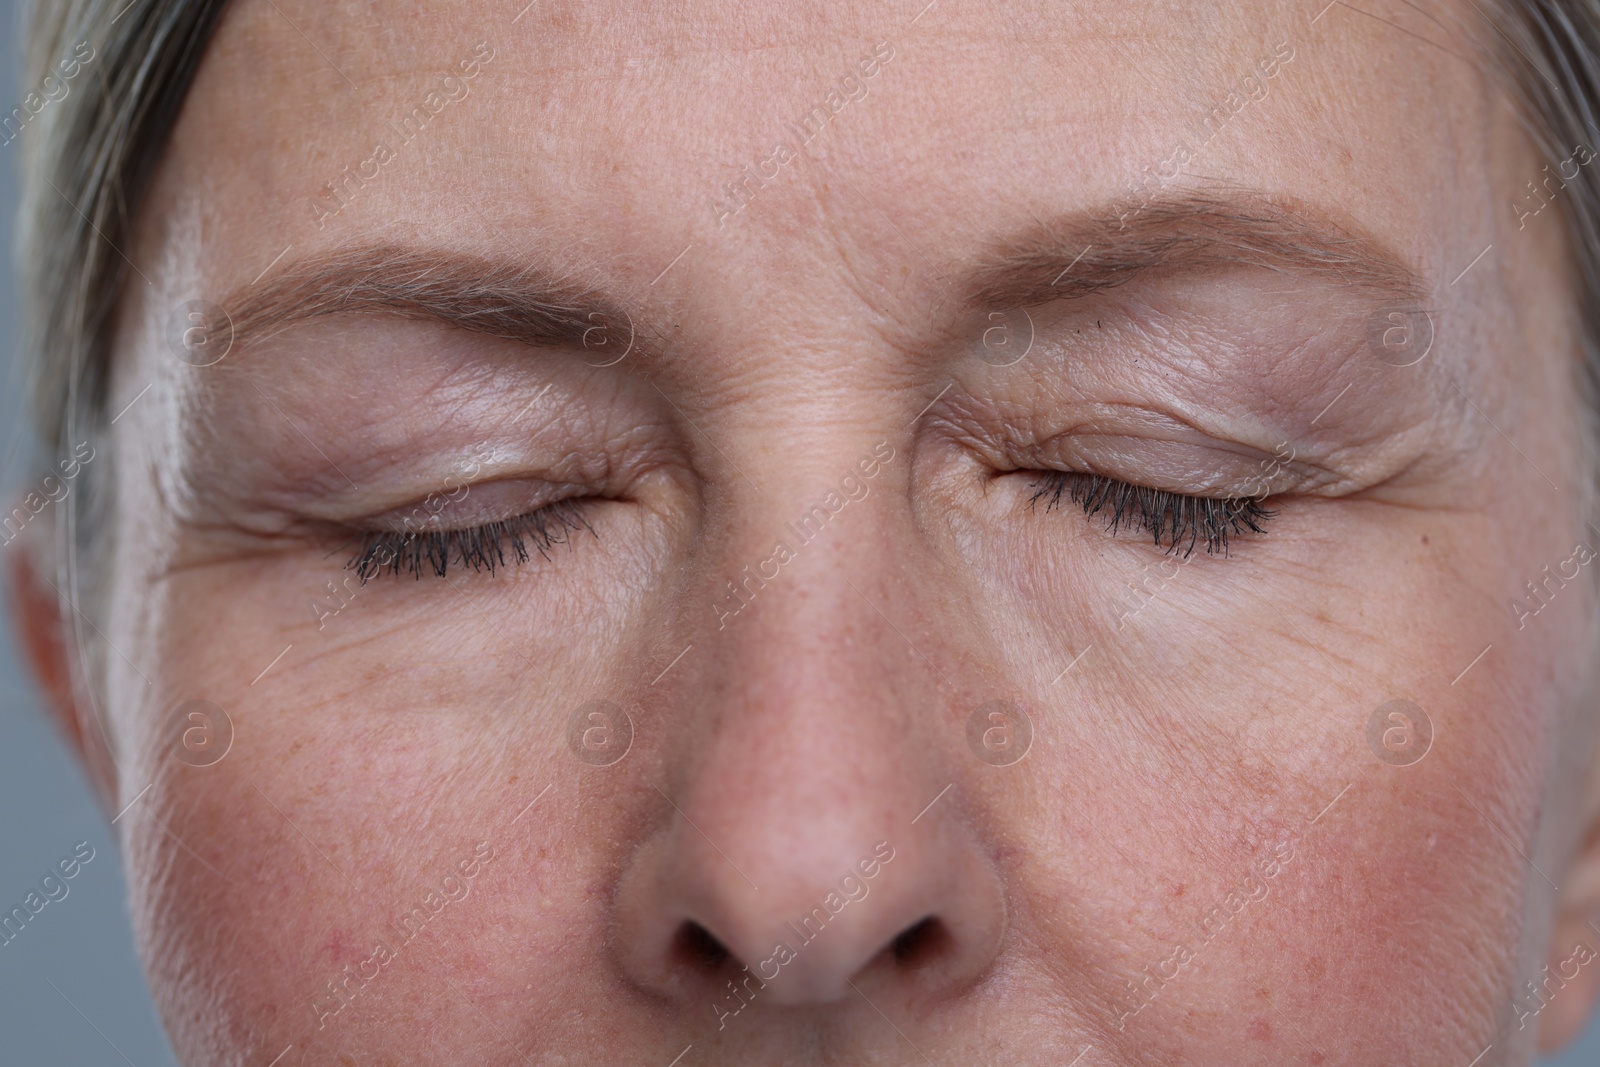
812 923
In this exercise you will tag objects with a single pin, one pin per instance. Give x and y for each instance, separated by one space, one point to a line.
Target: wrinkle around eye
1138 446
1136 430
1241 354
471 505
355 400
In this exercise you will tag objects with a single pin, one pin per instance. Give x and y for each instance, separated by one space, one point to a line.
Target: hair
87 158
1552 50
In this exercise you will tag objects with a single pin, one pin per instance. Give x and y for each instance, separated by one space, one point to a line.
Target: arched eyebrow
1074 255
488 296
1077 255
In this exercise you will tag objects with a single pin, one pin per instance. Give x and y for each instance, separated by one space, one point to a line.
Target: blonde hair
85 158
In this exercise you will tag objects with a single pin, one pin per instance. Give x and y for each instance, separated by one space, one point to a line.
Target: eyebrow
1078 255
1073 256
495 297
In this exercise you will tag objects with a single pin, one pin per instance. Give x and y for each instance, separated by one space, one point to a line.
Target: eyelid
499 499
1131 441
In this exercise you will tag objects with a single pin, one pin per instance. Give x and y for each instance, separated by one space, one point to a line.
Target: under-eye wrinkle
1171 519
478 548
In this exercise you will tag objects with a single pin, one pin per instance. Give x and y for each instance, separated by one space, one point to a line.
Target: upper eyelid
449 516
1019 433
488 466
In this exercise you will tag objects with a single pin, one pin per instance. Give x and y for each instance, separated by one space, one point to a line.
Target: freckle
1425 539
1260 1029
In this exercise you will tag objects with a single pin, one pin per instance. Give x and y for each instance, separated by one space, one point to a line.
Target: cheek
1228 706
366 765
1396 890
362 833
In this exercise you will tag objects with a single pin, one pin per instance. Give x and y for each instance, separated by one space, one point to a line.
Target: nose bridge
828 526
801 633
804 690
814 675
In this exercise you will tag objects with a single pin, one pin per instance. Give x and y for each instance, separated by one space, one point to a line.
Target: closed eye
480 548
1173 520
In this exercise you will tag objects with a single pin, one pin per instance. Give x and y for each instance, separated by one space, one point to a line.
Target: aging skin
1201 859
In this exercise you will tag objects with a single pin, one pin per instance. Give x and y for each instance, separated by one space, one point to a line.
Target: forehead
768 141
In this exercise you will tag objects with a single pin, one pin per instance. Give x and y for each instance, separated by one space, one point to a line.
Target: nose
821 920
811 834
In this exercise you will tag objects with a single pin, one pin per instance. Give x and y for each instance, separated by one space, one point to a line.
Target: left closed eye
483 547
1174 521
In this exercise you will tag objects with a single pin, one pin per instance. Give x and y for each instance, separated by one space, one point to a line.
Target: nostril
700 949
920 942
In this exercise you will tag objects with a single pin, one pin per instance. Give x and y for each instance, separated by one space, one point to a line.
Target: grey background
71 991
81 943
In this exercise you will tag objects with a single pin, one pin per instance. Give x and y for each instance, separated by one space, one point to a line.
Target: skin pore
1202 858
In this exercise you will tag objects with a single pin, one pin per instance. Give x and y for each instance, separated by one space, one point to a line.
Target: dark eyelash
1179 519
478 547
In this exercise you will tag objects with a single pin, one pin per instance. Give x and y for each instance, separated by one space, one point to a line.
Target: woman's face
684 382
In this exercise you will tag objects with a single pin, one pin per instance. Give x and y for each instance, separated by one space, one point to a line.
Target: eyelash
476 547
1178 517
